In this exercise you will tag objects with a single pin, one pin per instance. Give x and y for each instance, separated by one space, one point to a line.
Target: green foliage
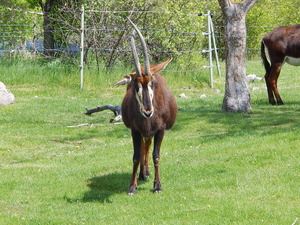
171 28
107 33
16 25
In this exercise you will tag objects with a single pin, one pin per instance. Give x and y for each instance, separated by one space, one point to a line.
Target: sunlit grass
216 168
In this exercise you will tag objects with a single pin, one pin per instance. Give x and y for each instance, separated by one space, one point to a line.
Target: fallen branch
207 135
114 108
66 141
295 221
80 125
196 209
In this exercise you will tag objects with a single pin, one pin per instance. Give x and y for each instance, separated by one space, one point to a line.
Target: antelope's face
143 89
142 78
144 86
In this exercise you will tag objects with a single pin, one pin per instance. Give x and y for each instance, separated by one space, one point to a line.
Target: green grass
216 168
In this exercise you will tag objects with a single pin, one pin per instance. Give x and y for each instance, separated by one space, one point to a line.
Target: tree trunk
48 28
48 37
237 96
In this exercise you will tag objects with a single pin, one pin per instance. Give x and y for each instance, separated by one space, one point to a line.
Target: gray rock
6 97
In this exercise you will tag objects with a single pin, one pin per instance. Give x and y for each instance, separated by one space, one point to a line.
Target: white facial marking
139 98
139 95
151 94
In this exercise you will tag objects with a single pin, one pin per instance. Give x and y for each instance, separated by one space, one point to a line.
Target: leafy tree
47 7
107 33
16 24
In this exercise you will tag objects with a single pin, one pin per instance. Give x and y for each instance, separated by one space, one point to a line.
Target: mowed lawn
59 166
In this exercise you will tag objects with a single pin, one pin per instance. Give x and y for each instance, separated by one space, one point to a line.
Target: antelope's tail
264 58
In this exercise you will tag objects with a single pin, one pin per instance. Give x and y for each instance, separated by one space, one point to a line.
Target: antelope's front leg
156 158
136 138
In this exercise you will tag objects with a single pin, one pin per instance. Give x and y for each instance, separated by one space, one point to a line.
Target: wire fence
106 43
29 39
14 37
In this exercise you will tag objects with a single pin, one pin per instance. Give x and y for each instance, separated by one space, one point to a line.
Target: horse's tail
264 58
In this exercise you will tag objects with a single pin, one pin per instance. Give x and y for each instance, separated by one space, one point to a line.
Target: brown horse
282 45
148 109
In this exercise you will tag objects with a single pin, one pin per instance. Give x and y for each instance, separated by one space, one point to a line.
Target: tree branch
226 5
248 4
114 108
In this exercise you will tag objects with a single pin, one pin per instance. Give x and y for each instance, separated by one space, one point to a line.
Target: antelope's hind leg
144 160
269 89
271 81
147 173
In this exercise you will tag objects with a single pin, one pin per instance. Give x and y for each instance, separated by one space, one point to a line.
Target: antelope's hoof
142 177
147 173
157 188
132 190
280 102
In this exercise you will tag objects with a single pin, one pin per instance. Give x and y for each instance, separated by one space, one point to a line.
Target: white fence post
211 40
215 46
210 50
81 47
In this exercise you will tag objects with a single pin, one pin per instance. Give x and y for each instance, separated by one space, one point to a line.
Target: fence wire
26 40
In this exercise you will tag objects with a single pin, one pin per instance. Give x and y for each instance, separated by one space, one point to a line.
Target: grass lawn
216 168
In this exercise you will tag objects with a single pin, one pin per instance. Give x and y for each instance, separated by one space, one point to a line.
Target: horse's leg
156 158
136 138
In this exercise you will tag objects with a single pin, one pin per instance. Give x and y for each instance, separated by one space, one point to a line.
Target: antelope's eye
136 86
150 84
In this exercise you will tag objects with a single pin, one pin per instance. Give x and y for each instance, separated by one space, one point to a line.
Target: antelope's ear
125 80
160 67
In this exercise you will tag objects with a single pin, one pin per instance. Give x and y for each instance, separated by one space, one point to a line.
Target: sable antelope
282 45
148 109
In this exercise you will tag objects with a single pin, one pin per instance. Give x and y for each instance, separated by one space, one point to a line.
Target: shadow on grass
103 187
262 120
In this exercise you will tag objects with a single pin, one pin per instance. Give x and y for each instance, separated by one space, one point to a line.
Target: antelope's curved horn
135 55
145 49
